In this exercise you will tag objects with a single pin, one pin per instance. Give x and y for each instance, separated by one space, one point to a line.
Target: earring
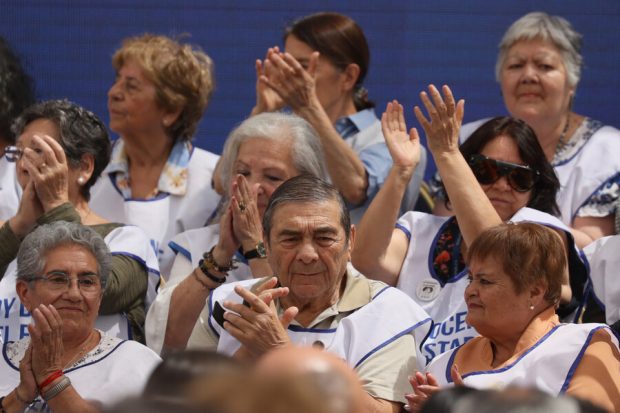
531 307
81 180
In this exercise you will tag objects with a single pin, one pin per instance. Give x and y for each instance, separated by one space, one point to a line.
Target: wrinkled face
266 164
493 306
131 103
77 309
534 81
504 198
308 250
329 78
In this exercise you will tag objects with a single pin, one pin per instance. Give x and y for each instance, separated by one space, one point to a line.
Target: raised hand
404 147
246 220
446 117
267 99
27 387
46 341
29 210
48 170
295 85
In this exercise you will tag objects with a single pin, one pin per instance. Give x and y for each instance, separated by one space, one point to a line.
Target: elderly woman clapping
259 155
60 152
515 271
66 363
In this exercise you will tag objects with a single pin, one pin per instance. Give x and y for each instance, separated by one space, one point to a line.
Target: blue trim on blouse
613 179
573 367
179 249
508 367
391 340
380 292
403 229
300 329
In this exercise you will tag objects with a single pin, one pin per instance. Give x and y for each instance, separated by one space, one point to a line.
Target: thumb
456 376
414 136
288 316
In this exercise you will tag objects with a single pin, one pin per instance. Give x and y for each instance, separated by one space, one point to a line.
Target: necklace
81 353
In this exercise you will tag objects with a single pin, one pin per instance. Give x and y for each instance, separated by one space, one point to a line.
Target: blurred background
67 46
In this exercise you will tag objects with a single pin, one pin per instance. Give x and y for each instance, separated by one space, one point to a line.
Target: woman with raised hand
320 76
259 155
498 175
539 67
60 152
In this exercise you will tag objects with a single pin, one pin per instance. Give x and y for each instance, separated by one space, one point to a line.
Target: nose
529 73
502 184
73 292
115 92
470 290
307 253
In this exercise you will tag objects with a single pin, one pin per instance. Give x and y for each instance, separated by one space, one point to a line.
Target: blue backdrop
67 46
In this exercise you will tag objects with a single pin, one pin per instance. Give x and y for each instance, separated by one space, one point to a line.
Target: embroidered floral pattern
448 243
173 179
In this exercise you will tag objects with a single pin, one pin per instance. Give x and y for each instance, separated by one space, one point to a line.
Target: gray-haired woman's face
77 305
266 164
535 82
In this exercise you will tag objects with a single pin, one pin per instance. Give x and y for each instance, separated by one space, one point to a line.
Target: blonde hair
182 75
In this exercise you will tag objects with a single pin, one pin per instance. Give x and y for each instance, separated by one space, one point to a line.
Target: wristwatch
258 252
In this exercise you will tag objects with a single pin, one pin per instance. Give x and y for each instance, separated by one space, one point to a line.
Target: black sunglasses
487 171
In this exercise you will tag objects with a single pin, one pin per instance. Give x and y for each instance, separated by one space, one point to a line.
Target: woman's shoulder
203 238
203 157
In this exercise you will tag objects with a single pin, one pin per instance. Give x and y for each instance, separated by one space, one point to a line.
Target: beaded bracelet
56 389
210 262
205 270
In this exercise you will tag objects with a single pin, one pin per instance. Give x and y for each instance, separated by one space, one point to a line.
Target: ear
351 241
537 293
351 74
87 166
23 292
170 117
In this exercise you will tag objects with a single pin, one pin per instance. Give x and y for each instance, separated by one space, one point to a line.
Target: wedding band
241 207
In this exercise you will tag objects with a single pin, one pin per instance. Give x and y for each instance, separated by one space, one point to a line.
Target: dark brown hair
529 253
339 39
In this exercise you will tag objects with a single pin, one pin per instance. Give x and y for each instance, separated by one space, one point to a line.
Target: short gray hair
306 147
303 189
33 250
555 29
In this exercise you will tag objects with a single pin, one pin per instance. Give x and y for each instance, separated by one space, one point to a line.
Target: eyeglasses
13 153
61 282
487 171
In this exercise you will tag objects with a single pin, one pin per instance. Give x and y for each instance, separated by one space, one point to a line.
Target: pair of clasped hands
45 165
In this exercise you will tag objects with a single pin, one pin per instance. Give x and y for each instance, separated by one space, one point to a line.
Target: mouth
473 306
70 309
